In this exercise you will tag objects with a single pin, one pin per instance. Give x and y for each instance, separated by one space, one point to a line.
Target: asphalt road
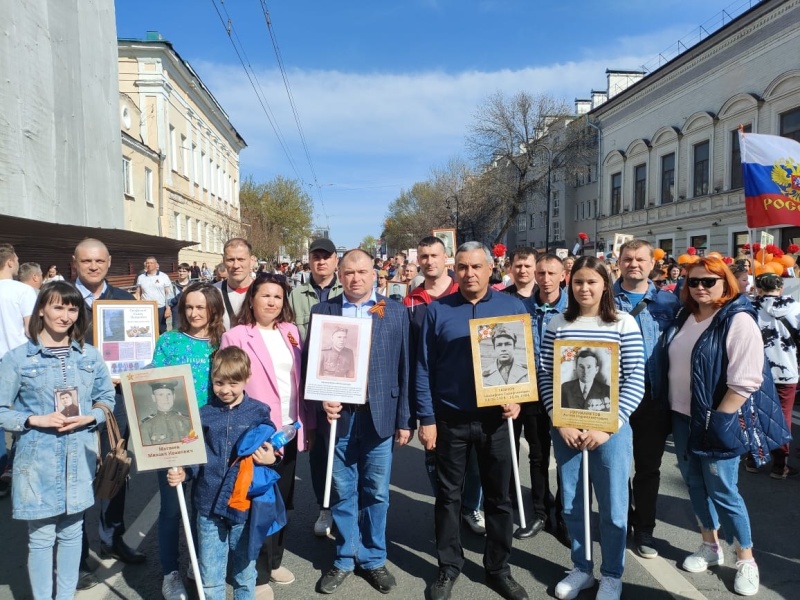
538 564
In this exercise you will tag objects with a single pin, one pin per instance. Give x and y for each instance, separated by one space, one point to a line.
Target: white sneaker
475 521
746 581
705 557
172 588
322 528
573 584
610 589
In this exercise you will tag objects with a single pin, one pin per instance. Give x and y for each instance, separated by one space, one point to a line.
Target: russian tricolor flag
771 170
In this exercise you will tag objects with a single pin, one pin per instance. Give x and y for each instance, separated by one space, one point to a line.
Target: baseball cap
323 244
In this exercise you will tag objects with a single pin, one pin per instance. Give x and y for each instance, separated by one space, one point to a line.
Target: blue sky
386 90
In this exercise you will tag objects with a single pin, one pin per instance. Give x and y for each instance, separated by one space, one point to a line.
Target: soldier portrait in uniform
336 359
67 402
165 423
589 388
505 365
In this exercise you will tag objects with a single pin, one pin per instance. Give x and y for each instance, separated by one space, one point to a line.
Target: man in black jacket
92 261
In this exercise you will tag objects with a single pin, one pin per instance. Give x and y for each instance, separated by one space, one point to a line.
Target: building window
521 222
701 169
666 246
594 209
185 156
668 178
148 185
204 168
178 220
173 149
127 177
532 221
639 186
699 242
616 193
556 230
739 240
195 173
555 204
188 229
736 158
790 124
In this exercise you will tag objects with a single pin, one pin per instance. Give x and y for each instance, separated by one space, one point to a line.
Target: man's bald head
91 261
356 254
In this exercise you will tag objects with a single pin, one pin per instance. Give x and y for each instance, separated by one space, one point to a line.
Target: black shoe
645 545
122 552
507 587
530 530
442 587
562 534
379 578
331 581
86 580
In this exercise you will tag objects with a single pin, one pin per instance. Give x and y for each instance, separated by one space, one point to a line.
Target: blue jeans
472 493
362 467
65 532
609 467
713 488
169 524
217 539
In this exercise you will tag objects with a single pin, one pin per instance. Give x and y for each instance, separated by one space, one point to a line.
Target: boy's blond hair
230 364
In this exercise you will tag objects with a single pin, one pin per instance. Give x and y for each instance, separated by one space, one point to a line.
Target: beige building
180 152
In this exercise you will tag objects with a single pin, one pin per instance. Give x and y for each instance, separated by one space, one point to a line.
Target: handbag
113 468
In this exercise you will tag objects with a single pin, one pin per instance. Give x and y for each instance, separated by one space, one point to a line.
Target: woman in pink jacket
266 333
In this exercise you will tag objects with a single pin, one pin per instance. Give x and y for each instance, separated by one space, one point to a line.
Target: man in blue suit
362 462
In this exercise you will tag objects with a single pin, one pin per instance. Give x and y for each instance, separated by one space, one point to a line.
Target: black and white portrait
585 380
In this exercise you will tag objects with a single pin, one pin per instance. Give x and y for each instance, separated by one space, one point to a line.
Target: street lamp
447 204
547 219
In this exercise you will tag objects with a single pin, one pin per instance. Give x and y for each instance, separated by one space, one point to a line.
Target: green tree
368 244
278 213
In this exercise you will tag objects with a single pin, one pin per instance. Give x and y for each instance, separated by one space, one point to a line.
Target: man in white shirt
155 285
237 256
30 273
16 306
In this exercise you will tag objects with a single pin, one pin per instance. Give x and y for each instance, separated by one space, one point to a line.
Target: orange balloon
760 270
715 254
787 260
684 259
756 264
776 267
659 253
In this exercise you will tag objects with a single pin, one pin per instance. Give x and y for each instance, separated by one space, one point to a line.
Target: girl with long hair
591 315
56 455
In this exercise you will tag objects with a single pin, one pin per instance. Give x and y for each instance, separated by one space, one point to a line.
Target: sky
387 90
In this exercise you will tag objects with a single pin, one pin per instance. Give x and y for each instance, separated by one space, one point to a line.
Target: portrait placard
164 418
338 359
396 290
448 237
503 361
619 239
586 385
125 333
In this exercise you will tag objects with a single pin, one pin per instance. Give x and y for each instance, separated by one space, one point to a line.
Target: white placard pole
515 466
587 523
189 540
326 500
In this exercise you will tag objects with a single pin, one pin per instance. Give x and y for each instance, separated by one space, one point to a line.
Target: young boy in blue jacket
229 414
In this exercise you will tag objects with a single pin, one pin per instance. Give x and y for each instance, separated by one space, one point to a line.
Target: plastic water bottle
284 435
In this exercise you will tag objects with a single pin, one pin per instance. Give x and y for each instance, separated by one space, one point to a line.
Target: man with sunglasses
654 311
324 285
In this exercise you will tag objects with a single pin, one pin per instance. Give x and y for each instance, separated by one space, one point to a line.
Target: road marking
110 570
668 577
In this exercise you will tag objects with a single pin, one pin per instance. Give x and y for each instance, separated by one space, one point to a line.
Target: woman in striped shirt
591 316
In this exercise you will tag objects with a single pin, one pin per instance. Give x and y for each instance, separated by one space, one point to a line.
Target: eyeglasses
659 282
276 277
707 282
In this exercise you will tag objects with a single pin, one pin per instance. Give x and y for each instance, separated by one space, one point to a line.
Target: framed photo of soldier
338 359
586 385
503 361
448 237
66 402
164 418
619 239
396 290
125 333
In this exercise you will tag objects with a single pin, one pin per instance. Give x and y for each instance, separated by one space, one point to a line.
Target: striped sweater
631 356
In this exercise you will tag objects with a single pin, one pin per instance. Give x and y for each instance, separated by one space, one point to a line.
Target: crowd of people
687 368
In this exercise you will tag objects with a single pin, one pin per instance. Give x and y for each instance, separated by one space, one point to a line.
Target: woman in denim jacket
56 455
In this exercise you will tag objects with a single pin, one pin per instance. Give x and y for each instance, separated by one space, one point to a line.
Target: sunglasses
271 277
707 282
659 282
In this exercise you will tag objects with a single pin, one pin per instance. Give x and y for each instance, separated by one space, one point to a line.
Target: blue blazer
387 383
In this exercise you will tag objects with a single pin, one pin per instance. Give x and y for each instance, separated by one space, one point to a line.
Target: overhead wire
253 79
